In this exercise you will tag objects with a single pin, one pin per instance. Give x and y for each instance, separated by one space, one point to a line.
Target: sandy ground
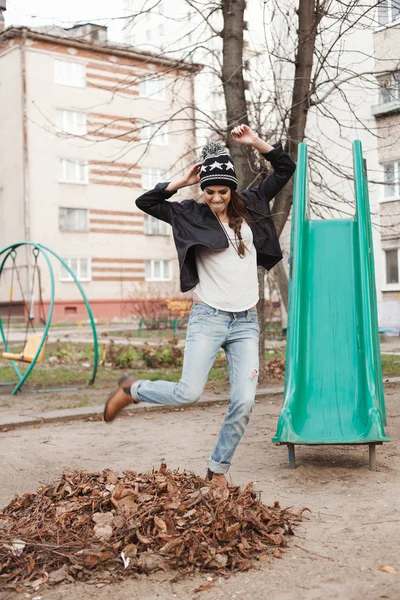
354 527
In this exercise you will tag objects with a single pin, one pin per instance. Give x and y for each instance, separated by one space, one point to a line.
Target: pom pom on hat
212 149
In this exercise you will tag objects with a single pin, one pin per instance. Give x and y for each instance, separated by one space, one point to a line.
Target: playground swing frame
5 254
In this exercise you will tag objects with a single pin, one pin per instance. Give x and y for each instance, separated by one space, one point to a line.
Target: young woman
219 242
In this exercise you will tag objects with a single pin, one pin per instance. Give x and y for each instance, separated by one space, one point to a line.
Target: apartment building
85 127
387 115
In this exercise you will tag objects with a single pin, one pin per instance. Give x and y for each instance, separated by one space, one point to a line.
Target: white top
228 282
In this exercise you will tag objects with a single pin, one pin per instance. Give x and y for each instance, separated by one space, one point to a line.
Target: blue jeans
210 329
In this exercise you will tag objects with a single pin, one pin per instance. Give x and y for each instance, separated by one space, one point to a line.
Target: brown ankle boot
119 399
218 478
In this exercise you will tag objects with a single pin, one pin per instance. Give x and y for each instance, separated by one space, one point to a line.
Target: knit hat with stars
217 168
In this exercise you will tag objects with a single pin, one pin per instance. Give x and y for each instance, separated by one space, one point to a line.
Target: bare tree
303 69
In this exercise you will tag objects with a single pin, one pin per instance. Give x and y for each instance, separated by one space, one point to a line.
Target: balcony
386 108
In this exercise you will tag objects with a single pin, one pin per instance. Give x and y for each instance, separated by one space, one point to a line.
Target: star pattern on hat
216 165
229 165
203 168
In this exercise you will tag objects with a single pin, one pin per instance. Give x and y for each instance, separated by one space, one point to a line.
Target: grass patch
390 365
69 376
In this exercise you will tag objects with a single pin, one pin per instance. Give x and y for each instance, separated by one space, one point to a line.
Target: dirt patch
353 529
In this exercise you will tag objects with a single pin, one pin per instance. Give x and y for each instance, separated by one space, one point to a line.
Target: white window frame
66 277
154 133
81 169
151 176
153 226
64 218
152 87
389 5
71 121
391 287
71 73
150 265
130 39
393 89
396 196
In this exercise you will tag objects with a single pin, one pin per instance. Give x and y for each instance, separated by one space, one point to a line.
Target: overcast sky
61 12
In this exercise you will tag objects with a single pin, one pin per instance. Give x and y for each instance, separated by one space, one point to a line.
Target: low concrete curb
12 421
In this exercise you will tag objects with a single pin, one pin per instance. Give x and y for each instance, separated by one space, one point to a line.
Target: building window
71 121
151 176
392 266
388 11
158 270
72 171
130 39
392 180
80 267
155 133
153 226
69 73
152 87
390 88
73 219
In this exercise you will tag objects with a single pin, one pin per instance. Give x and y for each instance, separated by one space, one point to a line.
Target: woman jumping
219 241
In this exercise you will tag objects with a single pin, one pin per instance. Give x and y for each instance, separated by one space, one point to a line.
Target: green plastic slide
333 385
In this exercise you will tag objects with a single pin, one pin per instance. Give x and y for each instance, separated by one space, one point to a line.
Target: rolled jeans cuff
134 390
218 468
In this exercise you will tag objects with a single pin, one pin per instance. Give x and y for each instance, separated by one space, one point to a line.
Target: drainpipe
3 7
25 159
25 164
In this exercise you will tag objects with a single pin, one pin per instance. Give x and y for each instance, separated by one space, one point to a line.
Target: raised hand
193 175
181 181
244 135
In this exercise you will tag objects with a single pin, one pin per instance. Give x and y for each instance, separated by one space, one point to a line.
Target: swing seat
29 352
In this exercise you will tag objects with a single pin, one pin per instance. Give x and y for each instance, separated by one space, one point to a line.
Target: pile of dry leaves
276 368
101 526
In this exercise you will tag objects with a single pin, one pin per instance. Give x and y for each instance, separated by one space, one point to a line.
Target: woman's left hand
244 135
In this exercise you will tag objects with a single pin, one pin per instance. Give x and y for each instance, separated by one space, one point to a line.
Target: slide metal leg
372 457
292 456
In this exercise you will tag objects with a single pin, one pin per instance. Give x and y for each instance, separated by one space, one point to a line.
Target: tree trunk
262 373
283 283
234 85
236 112
309 17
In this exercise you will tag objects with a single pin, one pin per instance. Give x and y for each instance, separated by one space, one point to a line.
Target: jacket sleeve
284 168
154 203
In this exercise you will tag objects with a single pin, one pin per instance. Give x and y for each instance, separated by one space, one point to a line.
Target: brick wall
386 48
390 296
390 224
388 130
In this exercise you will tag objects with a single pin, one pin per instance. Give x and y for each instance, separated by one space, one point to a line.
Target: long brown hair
237 214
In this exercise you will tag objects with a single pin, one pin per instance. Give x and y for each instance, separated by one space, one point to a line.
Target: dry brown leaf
388 569
111 476
79 527
150 562
204 587
58 575
160 524
130 550
142 538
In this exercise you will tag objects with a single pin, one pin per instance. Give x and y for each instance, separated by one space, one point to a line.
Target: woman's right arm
154 202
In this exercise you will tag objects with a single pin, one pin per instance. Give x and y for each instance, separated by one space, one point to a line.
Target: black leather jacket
195 224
